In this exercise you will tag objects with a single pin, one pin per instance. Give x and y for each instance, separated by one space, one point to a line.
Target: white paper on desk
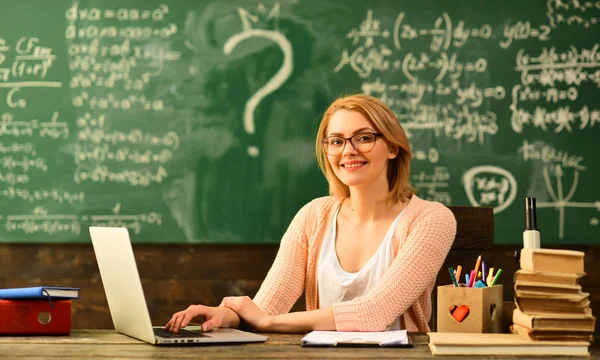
333 338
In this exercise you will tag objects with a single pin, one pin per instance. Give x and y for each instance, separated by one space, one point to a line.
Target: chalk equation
461 110
433 185
555 163
53 129
44 222
43 195
584 13
26 64
549 69
489 185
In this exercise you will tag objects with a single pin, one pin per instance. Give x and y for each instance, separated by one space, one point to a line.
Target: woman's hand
249 312
214 317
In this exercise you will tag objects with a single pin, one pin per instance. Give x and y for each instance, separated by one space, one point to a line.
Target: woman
367 256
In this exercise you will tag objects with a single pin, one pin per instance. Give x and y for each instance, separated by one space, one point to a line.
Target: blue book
39 292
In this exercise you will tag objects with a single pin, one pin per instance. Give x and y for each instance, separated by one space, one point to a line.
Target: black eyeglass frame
349 139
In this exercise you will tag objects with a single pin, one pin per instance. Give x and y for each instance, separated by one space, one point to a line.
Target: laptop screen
122 283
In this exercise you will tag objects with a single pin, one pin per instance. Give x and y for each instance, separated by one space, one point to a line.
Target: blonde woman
366 256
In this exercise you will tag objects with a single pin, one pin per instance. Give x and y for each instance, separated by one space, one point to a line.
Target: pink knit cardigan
421 241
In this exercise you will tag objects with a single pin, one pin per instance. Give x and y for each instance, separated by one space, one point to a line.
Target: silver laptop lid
122 284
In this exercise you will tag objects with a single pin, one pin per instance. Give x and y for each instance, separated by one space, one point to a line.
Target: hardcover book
552 261
557 322
40 292
546 278
575 305
35 317
552 335
501 344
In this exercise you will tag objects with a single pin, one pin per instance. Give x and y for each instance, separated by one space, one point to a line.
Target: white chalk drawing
30 65
406 80
41 221
561 202
435 183
523 30
553 77
277 80
432 155
494 186
573 12
444 33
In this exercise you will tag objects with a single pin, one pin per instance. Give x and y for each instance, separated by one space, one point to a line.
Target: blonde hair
386 123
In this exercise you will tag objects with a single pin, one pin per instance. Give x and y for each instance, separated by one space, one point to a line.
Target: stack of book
550 302
40 310
552 318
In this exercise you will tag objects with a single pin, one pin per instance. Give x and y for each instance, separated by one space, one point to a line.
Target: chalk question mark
273 84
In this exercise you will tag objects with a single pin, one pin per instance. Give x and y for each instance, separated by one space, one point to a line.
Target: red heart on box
459 312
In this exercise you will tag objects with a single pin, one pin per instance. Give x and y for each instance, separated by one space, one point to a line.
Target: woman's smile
353 165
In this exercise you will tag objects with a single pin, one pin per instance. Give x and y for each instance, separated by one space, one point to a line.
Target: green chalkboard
193 121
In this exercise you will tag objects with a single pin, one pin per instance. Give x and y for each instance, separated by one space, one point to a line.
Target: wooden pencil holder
469 310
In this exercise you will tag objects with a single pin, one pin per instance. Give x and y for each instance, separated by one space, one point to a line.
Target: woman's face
353 166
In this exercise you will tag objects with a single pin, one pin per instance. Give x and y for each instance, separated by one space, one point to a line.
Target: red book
35 317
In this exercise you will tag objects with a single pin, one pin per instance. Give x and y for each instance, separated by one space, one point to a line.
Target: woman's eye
335 142
365 138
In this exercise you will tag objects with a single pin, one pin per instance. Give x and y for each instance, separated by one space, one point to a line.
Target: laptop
127 303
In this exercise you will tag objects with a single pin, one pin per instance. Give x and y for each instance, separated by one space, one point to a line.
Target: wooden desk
106 344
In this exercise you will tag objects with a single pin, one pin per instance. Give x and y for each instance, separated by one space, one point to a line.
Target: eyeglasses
361 142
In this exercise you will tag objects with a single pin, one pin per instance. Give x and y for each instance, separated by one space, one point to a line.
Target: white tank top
337 285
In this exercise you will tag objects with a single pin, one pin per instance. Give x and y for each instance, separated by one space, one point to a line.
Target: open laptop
126 300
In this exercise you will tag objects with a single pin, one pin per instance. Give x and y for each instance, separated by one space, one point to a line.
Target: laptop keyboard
181 334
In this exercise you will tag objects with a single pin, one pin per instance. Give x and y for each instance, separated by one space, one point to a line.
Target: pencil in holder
469 310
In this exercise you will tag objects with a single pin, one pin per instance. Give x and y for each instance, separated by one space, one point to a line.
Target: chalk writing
136 136
444 32
103 174
432 183
563 118
103 153
109 49
547 154
455 122
12 179
154 107
26 66
523 30
140 102
15 148
414 92
24 163
583 13
549 69
560 201
432 155
437 74
550 58
45 129
132 222
42 221
43 224
55 195
490 186
368 30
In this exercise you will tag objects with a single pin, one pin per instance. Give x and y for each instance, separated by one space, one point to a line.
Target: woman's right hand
214 317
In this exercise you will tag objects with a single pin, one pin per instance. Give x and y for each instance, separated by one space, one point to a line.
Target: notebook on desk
126 300
398 338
